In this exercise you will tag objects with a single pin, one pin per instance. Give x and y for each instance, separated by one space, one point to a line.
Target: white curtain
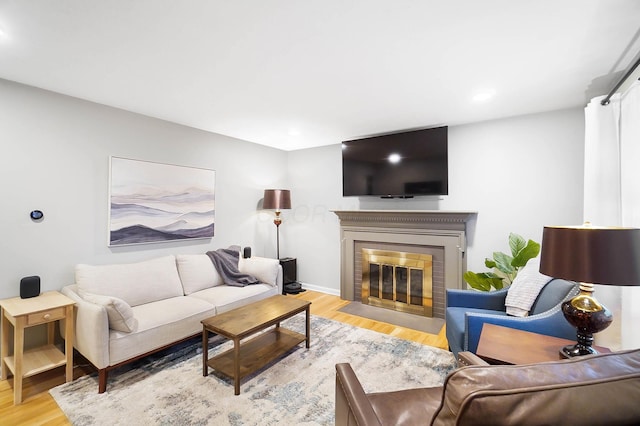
630 197
612 197
602 163
630 156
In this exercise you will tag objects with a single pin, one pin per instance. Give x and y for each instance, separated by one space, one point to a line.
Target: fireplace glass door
398 280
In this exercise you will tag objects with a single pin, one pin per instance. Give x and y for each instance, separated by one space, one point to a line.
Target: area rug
298 389
402 319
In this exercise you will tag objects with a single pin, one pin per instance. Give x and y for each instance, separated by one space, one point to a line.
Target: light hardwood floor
39 408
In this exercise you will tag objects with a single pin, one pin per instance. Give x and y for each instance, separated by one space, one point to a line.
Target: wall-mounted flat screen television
403 164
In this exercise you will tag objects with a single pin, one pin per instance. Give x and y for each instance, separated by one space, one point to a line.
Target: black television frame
367 171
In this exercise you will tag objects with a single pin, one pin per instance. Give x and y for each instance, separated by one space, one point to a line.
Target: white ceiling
301 73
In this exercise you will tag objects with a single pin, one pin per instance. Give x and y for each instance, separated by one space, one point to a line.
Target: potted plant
505 268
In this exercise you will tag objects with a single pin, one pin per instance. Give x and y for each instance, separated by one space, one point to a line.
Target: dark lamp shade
276 199
595 255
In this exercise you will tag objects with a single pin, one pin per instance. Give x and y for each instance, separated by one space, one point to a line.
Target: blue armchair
468 310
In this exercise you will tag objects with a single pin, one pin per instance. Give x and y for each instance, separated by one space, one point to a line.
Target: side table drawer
45 316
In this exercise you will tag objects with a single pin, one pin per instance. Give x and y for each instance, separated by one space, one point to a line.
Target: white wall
311 232
55 157
519 174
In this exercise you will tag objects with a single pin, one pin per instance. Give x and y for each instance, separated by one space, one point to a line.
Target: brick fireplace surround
442 233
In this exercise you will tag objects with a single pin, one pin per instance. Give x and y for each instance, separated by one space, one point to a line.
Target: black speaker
246 253
29 287
289 270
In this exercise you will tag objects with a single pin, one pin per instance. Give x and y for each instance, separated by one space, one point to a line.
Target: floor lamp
277 199
590 255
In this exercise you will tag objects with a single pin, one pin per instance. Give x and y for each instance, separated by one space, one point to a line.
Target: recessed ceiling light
484 96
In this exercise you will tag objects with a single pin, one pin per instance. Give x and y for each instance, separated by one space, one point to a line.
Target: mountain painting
153 202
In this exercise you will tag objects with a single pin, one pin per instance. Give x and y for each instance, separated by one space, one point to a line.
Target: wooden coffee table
252 355
504 345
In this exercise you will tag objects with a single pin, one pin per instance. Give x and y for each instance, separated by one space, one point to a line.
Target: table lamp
277 199
590 255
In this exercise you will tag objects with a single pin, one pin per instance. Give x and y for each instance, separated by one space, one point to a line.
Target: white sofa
127 311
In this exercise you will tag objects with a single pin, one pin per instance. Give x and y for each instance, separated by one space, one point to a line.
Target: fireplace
398 281
419 234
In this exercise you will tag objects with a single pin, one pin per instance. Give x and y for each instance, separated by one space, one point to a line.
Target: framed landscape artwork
153 202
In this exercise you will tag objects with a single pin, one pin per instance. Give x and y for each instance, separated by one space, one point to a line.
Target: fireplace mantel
436 228
423 219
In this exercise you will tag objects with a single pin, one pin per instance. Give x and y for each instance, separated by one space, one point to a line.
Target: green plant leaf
482 281
494 279
516 243
499 274
531 250
476 282
503 262
508 279
497 284
504 267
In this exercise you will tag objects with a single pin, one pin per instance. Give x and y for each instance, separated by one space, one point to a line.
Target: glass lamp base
577 350
588 316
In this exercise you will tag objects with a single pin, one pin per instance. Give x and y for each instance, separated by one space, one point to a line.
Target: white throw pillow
197 272
119 312
135 283
263 268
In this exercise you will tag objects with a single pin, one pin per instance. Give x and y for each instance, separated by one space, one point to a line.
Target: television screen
403 164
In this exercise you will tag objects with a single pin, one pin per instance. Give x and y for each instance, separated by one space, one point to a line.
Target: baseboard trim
331 291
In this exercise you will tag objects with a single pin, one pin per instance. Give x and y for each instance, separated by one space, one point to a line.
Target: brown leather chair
591 390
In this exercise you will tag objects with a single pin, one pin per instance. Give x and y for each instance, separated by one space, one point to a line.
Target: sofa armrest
280 279
466 358
551 323
490 300
352 405
91 329
266 269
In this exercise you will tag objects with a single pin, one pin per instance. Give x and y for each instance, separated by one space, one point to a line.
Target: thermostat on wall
36 214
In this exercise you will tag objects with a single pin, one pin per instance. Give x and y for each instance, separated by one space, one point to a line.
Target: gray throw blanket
226 263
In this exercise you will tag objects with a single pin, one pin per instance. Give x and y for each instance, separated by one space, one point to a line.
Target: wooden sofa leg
102 380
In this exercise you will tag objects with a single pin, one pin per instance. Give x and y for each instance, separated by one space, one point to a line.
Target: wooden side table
46 308
504 345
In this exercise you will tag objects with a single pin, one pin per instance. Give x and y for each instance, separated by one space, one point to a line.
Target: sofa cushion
197 272
135 283
264 269
551 294
225 297
119 312
601 389
159 324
